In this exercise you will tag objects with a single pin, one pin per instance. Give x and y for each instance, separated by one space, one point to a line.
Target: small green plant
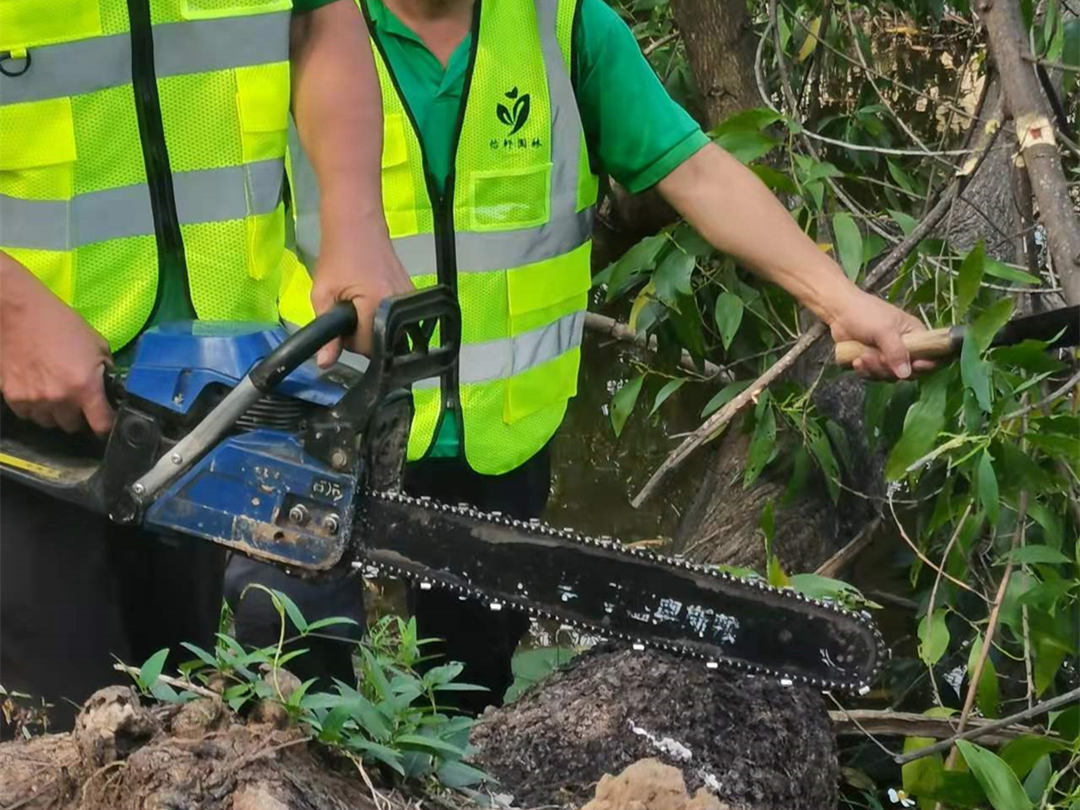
391 715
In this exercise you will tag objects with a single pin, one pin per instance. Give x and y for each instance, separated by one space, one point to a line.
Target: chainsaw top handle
338 321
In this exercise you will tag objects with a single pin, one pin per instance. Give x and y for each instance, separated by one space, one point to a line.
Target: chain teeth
863 617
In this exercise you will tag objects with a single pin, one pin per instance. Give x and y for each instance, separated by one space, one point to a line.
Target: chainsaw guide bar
646 599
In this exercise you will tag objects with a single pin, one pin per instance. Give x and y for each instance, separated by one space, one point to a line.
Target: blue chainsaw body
243 491
230 432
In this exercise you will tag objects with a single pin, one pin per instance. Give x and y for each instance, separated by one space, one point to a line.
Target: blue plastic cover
174 362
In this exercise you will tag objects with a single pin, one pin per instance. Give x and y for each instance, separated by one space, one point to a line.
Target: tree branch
1035 134
982 138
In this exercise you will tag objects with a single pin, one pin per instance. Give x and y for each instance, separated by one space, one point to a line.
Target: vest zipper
170 243
442 206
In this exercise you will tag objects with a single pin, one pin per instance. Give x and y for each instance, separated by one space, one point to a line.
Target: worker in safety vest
498 118
142 152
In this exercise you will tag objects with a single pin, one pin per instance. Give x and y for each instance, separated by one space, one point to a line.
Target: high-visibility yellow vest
511 234
134 132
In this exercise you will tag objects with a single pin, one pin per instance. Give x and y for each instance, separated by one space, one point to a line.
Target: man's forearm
737 214
338 115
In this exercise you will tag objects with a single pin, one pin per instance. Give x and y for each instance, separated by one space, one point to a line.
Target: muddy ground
739 744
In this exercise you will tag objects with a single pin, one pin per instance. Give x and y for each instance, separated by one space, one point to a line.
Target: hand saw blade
622 593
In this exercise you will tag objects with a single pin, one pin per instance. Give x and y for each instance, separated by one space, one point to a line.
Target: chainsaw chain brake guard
376 404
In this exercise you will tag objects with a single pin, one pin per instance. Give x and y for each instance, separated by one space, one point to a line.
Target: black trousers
75 591
481 639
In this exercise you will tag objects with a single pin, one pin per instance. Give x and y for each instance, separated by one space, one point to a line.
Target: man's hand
52 362
868 319
342 279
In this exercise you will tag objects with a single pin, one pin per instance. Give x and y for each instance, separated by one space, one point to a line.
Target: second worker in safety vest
142 175
498 117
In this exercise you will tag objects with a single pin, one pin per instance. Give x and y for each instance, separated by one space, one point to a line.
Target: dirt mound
649 784
122 756
751 742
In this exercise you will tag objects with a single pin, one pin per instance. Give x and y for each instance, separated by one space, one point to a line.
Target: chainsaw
230 433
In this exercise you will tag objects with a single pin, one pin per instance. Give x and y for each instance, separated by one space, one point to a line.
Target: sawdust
649 784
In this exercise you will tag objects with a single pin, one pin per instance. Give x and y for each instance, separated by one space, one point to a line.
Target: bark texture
1035 133
720 48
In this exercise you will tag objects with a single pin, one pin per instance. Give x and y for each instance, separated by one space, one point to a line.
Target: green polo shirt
611 77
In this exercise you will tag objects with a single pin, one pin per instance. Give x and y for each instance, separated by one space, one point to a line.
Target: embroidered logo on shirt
516 115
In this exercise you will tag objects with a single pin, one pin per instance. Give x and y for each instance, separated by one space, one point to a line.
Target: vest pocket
506 199
546 302
214 9
32 23
399 194
37 163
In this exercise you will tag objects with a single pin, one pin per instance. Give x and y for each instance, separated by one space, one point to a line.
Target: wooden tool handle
921 346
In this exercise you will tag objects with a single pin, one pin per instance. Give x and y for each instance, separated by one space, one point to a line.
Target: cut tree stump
754 744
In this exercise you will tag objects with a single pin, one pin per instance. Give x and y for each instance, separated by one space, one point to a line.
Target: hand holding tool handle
930 345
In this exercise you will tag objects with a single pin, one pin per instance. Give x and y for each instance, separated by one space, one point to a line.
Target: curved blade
619 592
1061 327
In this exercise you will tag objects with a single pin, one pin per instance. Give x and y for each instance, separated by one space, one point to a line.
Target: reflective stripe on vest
76 207
210 195
523 196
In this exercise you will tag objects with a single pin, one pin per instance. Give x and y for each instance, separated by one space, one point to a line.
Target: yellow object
512 235
39 470
94 199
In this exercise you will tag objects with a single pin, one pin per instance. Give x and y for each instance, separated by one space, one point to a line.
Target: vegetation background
890 131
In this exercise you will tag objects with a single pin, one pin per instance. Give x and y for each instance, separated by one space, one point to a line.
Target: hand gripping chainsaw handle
140 459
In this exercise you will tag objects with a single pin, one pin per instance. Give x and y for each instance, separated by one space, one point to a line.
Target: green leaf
767 522
971 275
724 396
635 261
1034 555
819 587
753 120
1002 788
776 575
150 671
1038 780
975 372
672 276
849 243
988 487
924 421
933 637
990 322
823 454
729 314
432 744
669 388
1007 273
1022 753
454 774
746 146
623 403
290 607
762 447
906 222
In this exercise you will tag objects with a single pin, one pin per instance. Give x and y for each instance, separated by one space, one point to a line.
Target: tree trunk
986 210
754 744
720 47
1035 134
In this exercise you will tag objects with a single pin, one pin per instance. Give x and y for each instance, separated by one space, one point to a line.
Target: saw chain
619 592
